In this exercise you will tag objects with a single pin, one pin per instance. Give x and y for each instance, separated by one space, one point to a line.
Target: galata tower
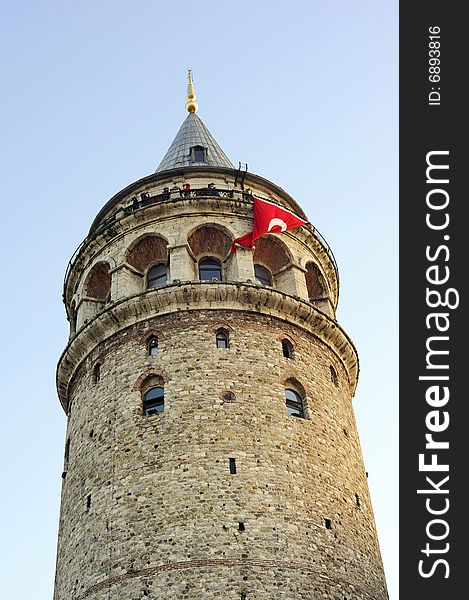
211 449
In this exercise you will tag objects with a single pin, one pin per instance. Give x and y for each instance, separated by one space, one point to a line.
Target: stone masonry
223 494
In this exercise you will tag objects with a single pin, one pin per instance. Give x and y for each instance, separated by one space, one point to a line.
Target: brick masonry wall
149 507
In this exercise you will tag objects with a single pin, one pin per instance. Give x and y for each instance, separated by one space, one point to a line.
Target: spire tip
191 104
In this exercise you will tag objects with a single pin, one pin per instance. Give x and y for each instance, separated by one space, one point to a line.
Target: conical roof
191 134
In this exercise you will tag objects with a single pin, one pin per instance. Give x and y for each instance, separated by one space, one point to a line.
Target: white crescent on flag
277 223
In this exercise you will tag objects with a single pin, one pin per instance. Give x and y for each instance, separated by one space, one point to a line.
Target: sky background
93 93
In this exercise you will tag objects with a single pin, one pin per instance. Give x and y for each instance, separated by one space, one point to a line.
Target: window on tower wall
287 349
153 346
222 339
209 269
96 376
153 401
335 379
198 154
294 403
156 276
263 275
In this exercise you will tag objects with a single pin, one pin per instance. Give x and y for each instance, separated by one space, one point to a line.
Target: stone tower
211 448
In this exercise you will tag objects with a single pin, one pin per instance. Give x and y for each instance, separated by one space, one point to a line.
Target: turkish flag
268 217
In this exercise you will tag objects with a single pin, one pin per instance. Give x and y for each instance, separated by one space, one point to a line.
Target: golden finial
191 104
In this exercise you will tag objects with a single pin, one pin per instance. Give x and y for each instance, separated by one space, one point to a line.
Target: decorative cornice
191 296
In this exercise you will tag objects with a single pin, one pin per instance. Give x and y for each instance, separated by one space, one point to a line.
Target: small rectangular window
233 466
199 155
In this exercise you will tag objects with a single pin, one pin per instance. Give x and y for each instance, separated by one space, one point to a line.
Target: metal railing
174 194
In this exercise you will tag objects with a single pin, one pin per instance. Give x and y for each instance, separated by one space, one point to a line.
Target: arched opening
156 276
294 403
153 401
287 348
96 375
210 245
222 339
98 283
314 282
334 377
210 269
152 346
149 254
152 394
263 275
210 240
295 398
272 260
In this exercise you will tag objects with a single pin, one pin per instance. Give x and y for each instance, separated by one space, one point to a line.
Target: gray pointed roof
193 133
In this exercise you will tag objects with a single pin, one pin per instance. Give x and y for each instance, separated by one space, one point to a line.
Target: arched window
156 276
222 339
287 349
152 345
209 269
294 403
263 275
335 379
153 401
96 376
210 240
275 261
146 252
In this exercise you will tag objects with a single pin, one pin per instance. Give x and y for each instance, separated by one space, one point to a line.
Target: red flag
268 217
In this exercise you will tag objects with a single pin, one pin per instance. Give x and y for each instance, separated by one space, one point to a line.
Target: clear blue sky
305 92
